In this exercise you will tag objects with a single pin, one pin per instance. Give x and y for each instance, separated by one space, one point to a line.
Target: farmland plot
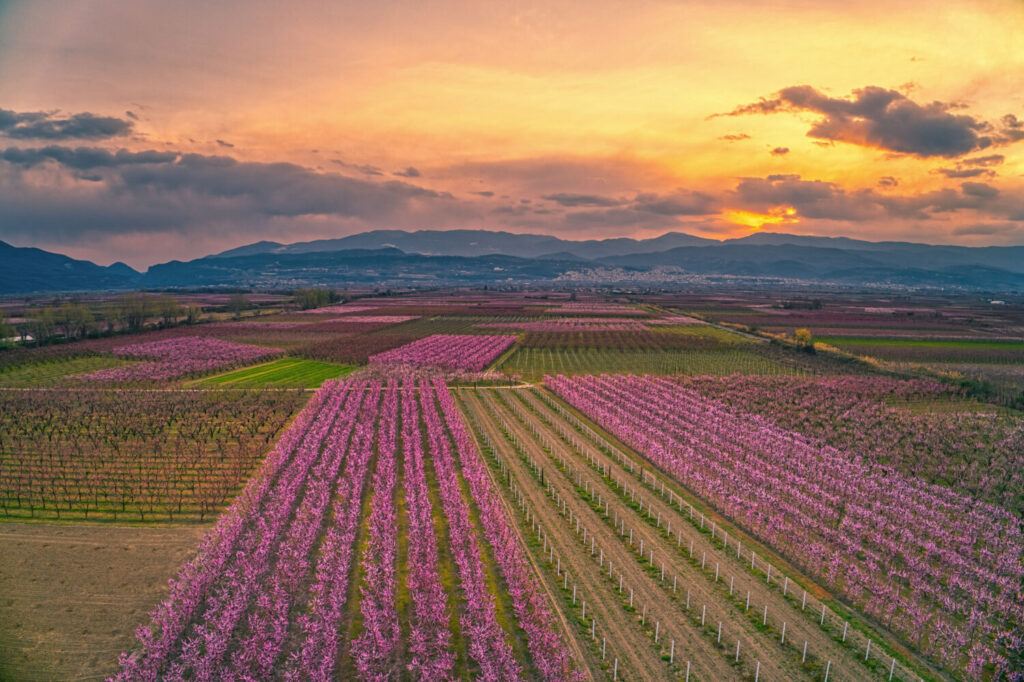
668 585
936 567
535 363
299 578
131 454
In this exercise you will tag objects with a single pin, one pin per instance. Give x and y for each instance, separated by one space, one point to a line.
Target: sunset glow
638 118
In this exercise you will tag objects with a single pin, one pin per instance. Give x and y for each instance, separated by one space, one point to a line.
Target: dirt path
558 504
665 521
71 596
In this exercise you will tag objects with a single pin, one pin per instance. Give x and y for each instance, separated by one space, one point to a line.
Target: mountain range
439 258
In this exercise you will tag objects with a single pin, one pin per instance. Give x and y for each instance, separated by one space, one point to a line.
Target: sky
151 130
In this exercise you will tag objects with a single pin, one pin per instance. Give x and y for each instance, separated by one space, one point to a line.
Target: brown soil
71 596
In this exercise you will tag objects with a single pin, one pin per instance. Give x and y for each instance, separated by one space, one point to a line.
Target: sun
781 215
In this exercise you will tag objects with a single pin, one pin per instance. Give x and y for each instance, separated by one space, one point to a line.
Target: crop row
931 564
271 591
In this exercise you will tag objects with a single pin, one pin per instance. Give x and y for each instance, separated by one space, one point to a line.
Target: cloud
979 189
617 218
780 151
579 200
1013 128
42 125
979 166
983 229
365 169
484 193
409 172
986 161
887 119
275 188
816 199
735 137
888 181
83 158
678 203
46 197
222 143
131 115
960 172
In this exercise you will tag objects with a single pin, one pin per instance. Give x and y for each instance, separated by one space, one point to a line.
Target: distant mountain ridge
486 242
473 243
398 258
28 269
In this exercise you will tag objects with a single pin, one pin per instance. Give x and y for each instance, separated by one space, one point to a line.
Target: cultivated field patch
131 454
286 372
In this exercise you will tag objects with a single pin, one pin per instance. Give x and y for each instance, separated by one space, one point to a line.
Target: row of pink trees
429 637
918 427
470 352
176 357
375 649
941 568
268 594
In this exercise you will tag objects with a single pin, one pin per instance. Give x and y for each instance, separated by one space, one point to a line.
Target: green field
533 363
289 372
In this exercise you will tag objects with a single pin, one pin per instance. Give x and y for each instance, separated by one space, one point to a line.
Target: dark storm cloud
580 200
409 172
887 119
82 158
44 125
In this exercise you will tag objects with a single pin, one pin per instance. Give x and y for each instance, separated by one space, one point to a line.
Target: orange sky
582 119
